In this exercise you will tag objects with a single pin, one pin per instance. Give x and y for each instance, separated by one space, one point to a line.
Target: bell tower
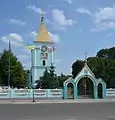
42 52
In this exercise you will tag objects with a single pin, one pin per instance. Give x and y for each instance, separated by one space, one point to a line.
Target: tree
106 53
61 79
52 70
38 83
76 67
18 74
46 82
53 79
103 66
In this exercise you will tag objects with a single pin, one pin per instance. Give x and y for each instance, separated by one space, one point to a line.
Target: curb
57 101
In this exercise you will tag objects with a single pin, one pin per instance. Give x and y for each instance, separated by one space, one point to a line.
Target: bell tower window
43 62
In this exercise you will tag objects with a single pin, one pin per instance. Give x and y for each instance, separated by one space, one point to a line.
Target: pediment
70 79
86 71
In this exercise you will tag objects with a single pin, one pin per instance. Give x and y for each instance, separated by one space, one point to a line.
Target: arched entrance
100 90
85 88
70 91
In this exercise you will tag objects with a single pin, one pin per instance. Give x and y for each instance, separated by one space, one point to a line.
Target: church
43 56
42 53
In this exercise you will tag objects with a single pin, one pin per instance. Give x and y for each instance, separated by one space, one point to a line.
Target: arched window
44 62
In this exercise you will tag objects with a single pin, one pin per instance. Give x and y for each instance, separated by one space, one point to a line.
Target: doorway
85 88
70 91
100 90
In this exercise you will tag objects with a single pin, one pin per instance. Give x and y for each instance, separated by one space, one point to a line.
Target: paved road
65 111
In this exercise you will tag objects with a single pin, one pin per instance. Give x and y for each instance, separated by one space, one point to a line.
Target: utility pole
9 70
9 67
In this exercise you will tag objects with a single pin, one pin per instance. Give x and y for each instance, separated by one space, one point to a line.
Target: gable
85 71
69 80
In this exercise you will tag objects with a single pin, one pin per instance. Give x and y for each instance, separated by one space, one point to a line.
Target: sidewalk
56 101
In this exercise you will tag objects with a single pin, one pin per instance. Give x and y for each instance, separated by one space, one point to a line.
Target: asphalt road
65 111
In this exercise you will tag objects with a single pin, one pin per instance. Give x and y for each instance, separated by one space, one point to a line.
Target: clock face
44 48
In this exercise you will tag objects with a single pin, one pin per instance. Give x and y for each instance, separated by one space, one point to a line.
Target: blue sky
76 26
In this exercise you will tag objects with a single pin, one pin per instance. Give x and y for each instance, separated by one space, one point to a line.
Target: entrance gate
85 85
85 88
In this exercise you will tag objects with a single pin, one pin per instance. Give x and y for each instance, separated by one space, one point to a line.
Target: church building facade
42 54
43 57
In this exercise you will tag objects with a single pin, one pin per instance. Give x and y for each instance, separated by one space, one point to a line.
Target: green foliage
46 82
107 53
49 82
61 79
103 66
52 70
18 74
76 67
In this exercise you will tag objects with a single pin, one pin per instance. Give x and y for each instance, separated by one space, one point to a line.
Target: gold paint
43 35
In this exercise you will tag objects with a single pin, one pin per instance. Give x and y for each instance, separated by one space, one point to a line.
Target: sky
75 26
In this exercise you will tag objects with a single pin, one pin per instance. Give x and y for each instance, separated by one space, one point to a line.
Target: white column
35 65
52 57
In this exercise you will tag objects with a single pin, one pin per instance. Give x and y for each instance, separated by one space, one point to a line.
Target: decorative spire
85 58
43 35
42 18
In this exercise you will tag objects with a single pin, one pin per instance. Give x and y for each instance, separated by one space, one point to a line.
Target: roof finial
43 35
85 58
42 17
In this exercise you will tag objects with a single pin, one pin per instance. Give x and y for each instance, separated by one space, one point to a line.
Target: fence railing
39 93
28 93
110 93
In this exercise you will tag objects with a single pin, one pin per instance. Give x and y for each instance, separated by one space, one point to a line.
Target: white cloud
104 18
54 37
16 21
15 39
35 9
60 19
18 47
16 36
83 11
34 33
68 1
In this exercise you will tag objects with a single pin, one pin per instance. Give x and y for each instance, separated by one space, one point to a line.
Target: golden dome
43 35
